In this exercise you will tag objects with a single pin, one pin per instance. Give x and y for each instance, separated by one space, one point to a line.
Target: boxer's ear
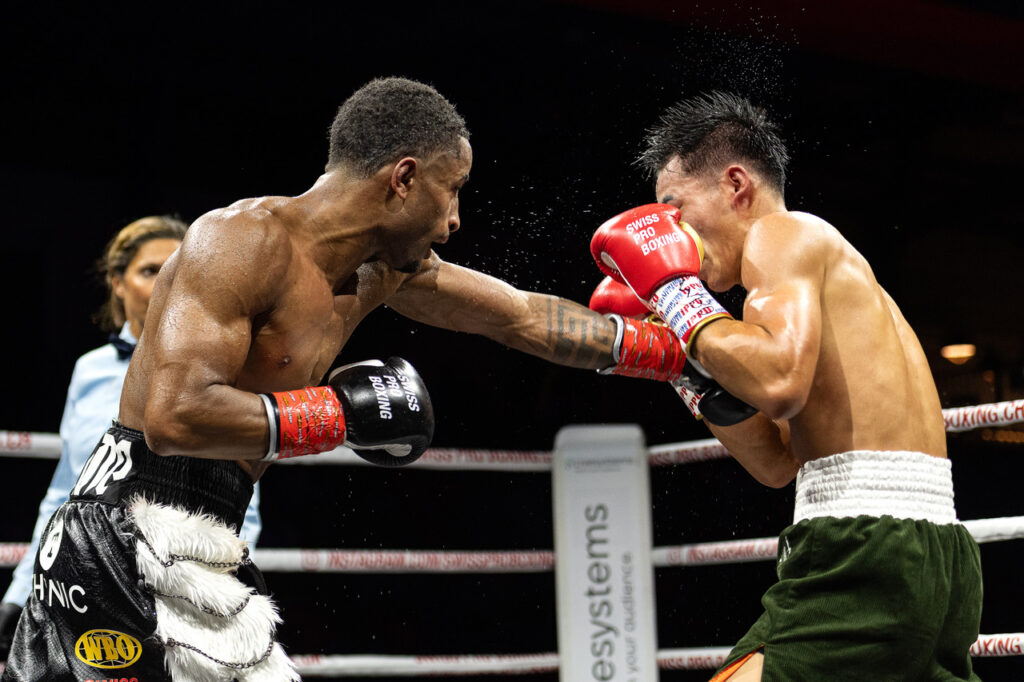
402 177
739 184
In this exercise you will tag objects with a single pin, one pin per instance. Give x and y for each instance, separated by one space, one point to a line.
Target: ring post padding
603 570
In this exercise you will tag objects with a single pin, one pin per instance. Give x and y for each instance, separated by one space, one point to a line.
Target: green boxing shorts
878 580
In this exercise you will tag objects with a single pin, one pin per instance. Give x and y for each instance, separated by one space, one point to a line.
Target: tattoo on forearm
578 337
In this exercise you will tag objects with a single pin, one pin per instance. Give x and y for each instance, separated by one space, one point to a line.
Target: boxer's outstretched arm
223 277
460 299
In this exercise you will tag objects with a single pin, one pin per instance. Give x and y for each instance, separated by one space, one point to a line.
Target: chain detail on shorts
173 558
205 609
226 664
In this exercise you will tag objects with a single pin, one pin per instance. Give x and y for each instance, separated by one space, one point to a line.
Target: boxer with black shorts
140 572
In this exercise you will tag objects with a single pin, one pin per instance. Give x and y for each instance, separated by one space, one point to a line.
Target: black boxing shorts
137 577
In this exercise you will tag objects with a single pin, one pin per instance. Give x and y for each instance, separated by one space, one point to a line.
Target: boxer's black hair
390 118
710 131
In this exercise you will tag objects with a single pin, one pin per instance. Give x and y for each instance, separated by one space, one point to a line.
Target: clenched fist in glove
701 394
379 409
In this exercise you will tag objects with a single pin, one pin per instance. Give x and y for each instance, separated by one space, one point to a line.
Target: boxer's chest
295 343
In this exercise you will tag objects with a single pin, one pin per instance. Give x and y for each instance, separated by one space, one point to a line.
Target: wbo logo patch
107 649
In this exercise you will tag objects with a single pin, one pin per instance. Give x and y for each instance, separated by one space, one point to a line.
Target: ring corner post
603 570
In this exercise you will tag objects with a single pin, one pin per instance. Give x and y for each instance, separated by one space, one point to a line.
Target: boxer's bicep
787 320
769 358
219 286
201 342
784 273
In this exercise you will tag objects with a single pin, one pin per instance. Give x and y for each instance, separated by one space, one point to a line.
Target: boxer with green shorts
877 578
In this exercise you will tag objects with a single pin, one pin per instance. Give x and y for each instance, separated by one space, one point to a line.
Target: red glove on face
659 257
646 247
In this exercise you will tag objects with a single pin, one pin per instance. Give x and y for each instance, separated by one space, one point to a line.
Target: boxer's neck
340 216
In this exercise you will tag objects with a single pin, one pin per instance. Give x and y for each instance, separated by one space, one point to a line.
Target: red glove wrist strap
308 420
649 351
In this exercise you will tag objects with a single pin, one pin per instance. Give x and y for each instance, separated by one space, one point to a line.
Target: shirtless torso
848 372
263 295
287 320
822 350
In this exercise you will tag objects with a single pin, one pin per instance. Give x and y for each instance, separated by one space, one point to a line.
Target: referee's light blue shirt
93 399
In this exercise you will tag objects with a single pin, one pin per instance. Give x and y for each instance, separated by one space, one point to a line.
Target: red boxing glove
615 298
643 348
646 350
659 257
701 394
611 296
646 247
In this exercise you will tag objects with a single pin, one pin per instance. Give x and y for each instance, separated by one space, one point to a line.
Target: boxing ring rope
696 658
46 445
527 561
957 419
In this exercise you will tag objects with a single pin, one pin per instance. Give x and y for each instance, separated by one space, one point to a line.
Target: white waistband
904 485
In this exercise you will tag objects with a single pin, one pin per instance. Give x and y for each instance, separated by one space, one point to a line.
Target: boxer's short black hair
390 118
712 130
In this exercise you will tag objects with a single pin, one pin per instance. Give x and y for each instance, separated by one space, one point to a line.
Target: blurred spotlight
958 353
1002 436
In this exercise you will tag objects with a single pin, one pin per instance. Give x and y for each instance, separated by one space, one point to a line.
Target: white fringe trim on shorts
901 484
214 628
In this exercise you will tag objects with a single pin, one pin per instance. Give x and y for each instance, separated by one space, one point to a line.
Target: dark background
904 121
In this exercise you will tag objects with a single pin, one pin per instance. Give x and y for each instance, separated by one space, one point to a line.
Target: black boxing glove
389 420
9 614
380 410
705 398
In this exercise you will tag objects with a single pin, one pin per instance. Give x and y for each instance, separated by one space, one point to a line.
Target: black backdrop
905 126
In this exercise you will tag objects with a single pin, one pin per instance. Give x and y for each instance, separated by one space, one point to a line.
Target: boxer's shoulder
791 226
249 221
252 235
799 237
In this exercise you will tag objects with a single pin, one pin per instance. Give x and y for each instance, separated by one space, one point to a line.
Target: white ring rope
36 445
399 561
526 561
957 419
687 658
401 666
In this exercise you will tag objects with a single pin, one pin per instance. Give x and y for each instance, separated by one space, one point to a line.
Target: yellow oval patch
107 649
